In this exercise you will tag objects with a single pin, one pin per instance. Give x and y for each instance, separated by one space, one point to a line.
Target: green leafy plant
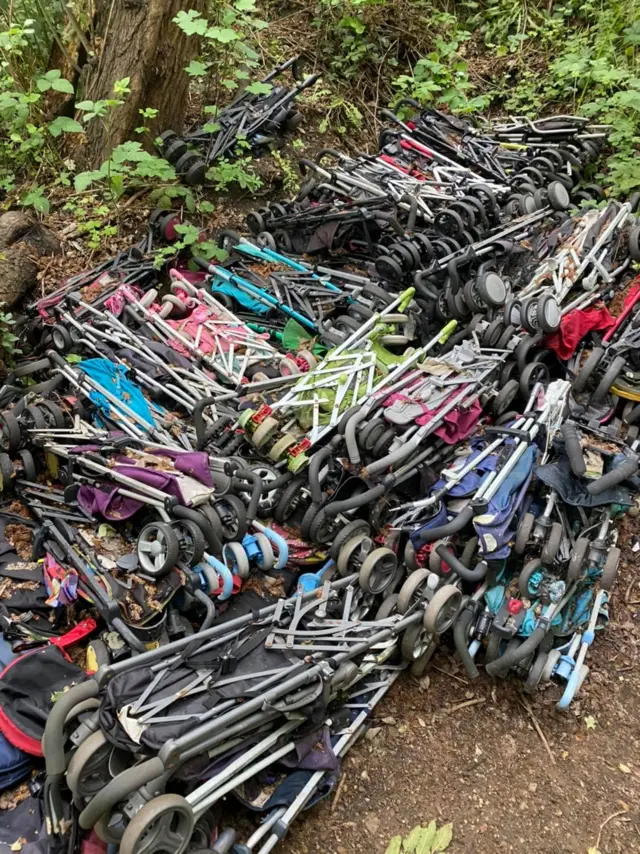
227 55
239 171
7 337
423 840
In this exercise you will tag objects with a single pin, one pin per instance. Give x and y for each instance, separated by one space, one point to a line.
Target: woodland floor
470 753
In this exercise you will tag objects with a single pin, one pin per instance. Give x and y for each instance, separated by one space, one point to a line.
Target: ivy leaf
206 207
259 88
427 839
224 35
191 22
85 105
395 846
229 84
196 68
245 5
443 838
63 124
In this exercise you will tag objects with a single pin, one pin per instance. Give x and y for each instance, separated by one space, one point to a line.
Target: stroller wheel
89 768
292 495
10 433
377 570
349 550
281 447
357 528
415 642
235 557
267 559
158 548
550 665
505 397
163 826
322 528
578 556
442 611
29 470
535 673
611 375
388 607
589 366
412 591
410 556
524 532
6 473
266 240
191 540
233 517
554 540
265 431
610 569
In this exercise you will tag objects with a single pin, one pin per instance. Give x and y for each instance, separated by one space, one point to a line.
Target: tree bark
140 41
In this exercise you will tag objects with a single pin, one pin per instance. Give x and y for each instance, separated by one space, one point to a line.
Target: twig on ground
538 729
606 822
627 595
334 803
451 675
466 703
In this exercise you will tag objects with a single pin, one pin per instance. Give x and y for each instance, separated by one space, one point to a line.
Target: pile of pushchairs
240 498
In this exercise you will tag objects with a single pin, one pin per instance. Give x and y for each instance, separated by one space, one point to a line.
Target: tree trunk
140 41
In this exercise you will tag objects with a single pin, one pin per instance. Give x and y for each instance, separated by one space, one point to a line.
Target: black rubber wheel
558 196
552 544
505 397
6 474
536 372
54 416
291 498
549 315
29 470
192 541
589 366
578 556
350 531
10 432
233 517
610 376
525 527
610 568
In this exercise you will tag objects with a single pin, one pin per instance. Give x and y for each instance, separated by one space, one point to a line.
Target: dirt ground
511 773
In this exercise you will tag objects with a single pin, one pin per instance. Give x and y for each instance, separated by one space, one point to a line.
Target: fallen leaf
624 768
590 721
412 840
17 845
389 720
394 846
426 839
443 838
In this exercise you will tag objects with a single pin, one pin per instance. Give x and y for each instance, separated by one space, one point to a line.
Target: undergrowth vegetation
474 57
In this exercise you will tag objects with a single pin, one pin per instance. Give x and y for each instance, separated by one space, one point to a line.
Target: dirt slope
485 767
